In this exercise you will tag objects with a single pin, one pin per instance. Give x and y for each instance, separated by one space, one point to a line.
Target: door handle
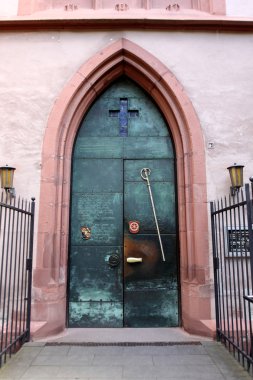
132 260
114 260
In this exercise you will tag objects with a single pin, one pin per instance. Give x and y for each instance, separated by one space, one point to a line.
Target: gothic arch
50 273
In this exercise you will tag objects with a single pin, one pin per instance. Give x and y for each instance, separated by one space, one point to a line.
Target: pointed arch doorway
122 270
122 57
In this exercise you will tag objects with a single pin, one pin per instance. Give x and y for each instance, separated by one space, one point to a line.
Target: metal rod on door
145 173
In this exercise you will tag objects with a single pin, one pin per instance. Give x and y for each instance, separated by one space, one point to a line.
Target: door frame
122 57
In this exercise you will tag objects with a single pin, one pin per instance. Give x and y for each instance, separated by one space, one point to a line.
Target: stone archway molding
121 57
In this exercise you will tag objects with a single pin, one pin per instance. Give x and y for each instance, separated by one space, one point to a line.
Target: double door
118 276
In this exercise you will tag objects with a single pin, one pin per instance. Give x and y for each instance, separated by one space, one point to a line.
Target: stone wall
215 70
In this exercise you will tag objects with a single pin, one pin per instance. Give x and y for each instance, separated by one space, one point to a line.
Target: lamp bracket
11 192
234 191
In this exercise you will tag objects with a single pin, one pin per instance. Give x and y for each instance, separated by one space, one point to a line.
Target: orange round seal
134 226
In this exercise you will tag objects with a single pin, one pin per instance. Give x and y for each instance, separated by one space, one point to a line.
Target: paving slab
198 360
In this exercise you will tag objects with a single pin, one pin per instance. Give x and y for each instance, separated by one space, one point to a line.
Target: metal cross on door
123 114
117 276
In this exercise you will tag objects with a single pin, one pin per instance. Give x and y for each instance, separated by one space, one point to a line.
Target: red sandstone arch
50 273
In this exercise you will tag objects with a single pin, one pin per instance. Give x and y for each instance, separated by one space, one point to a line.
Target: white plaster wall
240 8
215 69
8 8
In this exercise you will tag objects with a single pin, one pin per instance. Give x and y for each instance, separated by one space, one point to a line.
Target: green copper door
123 253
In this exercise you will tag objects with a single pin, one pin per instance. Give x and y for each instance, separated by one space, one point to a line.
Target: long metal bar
223 287
19 269
228 274
246 286
219 278
15 255
13 207
226 266
3 211
6 265
145 173
240 291
229 222
231 206
23 272
250 221
215 266
249 201
29 268
10 279
26 270
235 288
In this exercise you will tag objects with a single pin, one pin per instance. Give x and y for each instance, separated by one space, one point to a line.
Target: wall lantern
236 177
7 175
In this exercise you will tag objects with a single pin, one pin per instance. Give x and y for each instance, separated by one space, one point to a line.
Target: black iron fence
232 238
16 248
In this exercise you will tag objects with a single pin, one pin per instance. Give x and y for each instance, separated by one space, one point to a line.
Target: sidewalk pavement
205 360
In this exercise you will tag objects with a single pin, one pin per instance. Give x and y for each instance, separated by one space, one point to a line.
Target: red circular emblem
134 226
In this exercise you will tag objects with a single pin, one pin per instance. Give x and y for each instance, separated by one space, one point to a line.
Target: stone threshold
114 336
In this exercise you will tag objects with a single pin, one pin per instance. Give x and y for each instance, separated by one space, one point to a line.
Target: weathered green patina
122 133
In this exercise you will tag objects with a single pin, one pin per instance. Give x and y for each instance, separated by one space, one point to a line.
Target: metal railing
232 239
16 249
